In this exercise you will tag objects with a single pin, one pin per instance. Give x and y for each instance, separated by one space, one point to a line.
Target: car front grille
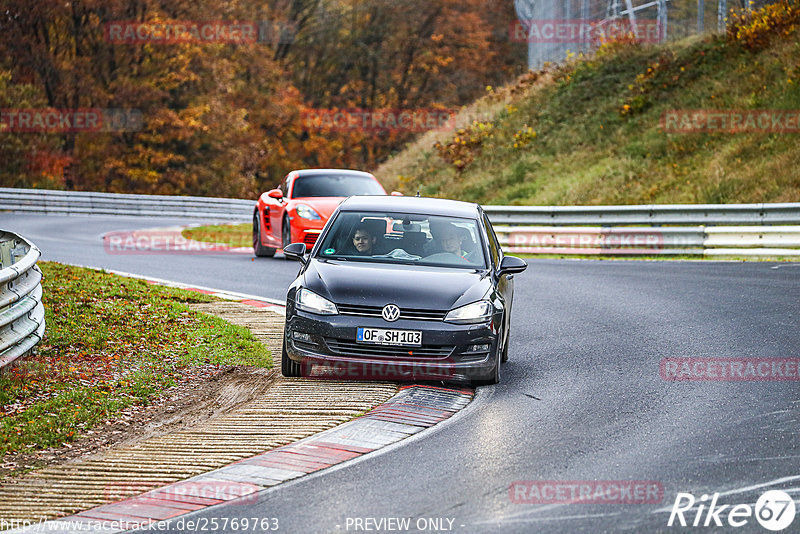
352 349
405 313
310 239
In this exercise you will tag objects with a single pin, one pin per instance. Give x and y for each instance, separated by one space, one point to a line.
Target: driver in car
364 240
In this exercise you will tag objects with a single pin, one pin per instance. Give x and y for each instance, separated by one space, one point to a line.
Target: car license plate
379 336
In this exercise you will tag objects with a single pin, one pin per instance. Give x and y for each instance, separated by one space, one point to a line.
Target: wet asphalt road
580 399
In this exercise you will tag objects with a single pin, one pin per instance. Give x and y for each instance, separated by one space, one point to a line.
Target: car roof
419 205
316 172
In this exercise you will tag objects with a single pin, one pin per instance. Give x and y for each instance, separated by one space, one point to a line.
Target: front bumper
306 231
448 351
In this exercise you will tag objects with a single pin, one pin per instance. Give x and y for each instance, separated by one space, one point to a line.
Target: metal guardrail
85 203
21 311
655 241
685 229
655 214
601 240
696 229
51 202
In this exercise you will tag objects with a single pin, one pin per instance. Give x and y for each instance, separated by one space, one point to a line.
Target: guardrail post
6 258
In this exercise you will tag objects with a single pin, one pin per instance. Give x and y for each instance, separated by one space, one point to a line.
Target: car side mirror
296 251
277 194
511 265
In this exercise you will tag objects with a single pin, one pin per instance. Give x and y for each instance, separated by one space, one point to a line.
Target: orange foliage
225 119
753 29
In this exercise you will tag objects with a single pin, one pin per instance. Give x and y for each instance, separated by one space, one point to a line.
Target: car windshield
404 238
335 185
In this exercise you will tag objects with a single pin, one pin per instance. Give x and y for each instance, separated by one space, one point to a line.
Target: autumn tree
226 119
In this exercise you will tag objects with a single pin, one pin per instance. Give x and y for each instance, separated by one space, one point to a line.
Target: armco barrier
655 214
652 241
601 240
21 310
86 203
686 229
752 241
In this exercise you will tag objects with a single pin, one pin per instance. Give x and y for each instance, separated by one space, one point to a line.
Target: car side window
494 246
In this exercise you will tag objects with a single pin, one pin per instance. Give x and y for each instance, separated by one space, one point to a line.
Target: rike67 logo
774 510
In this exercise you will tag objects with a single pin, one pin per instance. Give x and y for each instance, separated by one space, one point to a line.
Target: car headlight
311 302
477 312
307 212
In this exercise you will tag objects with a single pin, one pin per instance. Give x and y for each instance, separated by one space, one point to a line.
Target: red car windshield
335 185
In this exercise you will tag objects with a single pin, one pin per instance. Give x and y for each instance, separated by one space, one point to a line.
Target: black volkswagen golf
401 288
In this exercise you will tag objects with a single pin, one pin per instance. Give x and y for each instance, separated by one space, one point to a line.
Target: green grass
598 139
111 343
233 235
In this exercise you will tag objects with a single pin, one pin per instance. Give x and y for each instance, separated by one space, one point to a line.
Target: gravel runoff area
279 412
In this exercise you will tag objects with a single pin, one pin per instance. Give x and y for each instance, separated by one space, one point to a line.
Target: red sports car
298 209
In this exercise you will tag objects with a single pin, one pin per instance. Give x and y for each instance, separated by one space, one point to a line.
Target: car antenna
417 194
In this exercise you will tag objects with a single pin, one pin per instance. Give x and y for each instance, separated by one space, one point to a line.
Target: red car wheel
258 249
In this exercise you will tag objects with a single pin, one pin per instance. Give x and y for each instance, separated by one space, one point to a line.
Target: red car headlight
307 212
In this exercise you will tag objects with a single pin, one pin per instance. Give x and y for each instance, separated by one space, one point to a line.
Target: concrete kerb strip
411 410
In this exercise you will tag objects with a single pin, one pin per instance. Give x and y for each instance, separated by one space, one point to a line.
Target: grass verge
590 132
111 343
233 235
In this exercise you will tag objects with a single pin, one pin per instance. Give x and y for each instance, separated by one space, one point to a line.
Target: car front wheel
289 367
286 233
258 249
504 357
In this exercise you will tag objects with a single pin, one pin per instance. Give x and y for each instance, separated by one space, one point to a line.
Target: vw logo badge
391 312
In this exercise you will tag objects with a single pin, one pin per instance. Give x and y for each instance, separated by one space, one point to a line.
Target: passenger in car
447 237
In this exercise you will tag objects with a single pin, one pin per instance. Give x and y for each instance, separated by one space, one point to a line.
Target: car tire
289 367
286 233
504 357
258 249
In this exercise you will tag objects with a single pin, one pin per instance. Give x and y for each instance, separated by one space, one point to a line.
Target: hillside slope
589 132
